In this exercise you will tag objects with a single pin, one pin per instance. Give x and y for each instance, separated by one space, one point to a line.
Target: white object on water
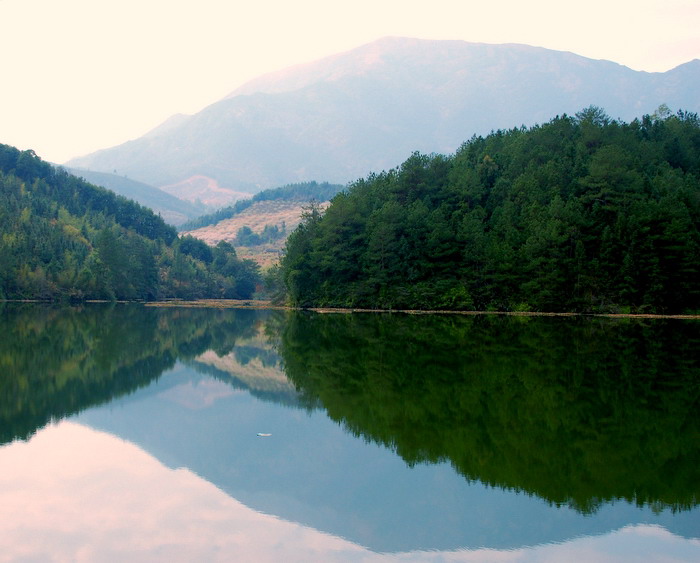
263 434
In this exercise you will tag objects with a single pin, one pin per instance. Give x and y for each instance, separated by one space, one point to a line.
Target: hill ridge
338 118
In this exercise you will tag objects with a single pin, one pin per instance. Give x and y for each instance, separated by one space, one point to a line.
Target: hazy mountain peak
341 117
401 57
329 68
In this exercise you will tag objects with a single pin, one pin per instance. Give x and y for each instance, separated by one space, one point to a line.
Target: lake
181 434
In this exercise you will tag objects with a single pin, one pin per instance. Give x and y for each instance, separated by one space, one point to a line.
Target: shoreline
263 304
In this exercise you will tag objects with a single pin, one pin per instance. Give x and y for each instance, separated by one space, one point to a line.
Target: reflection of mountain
80 523
252 365
580 412
56 361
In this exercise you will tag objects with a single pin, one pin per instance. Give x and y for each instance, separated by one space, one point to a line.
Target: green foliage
577 411
62 238
302 191
580 214
196 248
270 233
273 284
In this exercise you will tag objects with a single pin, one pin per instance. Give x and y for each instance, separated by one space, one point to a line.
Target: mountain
365 110
172 209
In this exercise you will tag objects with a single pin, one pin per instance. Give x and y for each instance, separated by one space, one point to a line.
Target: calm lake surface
173 434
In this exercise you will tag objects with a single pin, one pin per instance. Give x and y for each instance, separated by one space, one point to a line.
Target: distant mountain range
367 110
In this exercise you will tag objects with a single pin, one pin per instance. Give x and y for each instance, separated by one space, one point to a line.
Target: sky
81 75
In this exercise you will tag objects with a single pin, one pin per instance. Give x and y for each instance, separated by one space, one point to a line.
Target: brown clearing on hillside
257 216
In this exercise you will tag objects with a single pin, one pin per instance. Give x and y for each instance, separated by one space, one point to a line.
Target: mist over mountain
341 117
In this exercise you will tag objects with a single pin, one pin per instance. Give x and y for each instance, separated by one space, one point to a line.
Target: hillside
203 191
173 210
581 214
259 226
302 192
280 213
63 238
257 216
341 117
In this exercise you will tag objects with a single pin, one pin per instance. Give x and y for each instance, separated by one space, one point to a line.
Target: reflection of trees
56 361
577 411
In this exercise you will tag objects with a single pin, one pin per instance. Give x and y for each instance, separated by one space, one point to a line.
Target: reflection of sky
313 472
75 494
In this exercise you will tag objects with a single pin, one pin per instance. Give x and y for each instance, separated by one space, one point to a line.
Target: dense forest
303 191
583 213
63 238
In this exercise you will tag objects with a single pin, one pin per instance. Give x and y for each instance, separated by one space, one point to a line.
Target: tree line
270 233
583 213
63 238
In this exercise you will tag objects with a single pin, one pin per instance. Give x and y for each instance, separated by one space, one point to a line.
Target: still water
148 434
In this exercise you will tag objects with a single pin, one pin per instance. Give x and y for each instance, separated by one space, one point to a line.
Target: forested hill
61 237
582 214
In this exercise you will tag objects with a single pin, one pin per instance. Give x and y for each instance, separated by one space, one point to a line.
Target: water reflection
103 499
98 498
577 411
57 361
584 427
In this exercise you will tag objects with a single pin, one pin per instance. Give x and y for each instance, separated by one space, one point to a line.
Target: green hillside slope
61 237
174 211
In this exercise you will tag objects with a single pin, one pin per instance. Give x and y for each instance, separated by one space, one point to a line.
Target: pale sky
80 75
